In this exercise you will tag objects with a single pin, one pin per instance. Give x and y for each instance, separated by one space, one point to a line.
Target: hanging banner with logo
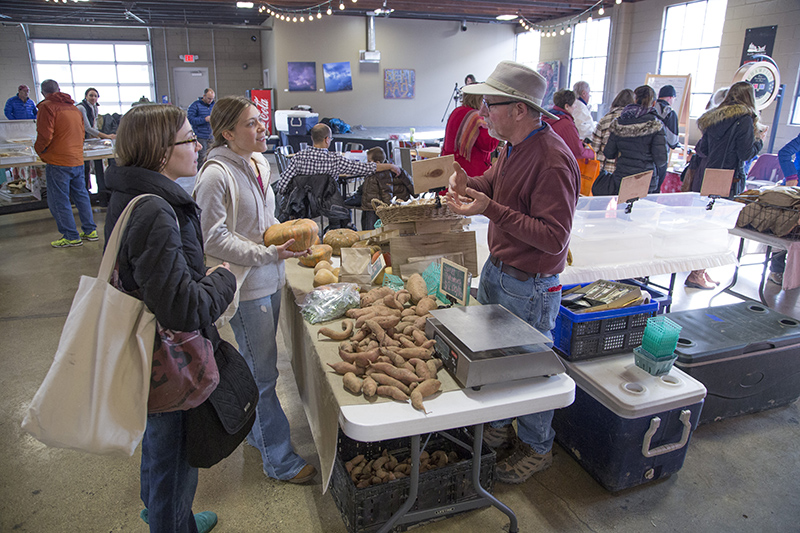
262 98
758 41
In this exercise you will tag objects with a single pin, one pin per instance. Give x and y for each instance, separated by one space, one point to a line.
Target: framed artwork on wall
550 70
337 76
302 76
398 83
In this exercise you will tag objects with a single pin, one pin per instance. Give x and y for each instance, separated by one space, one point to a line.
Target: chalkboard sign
455 281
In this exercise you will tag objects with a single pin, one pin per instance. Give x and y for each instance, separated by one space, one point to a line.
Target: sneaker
522 464
498 437
63 242
305 474
205 521
90 236
776 277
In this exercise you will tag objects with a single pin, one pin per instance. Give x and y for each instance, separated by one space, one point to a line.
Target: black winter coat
638 144
728 141
158 262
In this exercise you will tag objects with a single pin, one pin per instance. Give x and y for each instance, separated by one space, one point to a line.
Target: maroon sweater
533 196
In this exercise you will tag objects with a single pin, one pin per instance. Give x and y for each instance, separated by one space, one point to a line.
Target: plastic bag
330 302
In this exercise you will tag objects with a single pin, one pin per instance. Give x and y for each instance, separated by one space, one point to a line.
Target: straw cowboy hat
514 80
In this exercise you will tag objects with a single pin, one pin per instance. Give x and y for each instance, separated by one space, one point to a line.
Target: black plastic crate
367 510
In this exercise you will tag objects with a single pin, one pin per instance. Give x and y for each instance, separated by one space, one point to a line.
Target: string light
330 11
618 2
590 18
601 11
562 31
341 5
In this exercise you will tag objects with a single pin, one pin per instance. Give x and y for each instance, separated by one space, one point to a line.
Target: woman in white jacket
238 206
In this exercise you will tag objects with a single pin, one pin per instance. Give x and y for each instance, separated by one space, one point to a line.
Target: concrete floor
740 475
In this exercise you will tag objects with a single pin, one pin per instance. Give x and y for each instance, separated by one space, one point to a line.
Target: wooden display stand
423 241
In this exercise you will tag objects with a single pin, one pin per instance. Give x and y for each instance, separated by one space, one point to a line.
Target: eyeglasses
187 141
490 104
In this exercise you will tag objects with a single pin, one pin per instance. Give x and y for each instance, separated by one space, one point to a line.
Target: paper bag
355 267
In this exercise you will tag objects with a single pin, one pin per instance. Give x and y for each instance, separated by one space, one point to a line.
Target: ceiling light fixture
506 17
244 5
618 2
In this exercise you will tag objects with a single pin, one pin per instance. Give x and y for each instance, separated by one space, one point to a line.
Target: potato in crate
367 509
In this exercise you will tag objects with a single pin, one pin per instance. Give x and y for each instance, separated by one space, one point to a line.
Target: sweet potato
431 364
392 392
343 367
421 368
383 379
353 383
347 331
419 337
360 335
355 313
401 374
425 389
409 311
374 295
390 301
354 462
403 296
406 342
426 305
370 387
417 287
420 322
418 352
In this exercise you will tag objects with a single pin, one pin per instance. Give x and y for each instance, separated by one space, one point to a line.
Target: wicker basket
434 209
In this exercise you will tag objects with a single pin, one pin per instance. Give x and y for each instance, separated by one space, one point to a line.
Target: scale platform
486 344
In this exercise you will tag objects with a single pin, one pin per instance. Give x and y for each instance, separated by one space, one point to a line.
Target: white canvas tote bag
94 397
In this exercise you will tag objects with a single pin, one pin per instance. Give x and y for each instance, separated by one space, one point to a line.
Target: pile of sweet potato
387 468
386 352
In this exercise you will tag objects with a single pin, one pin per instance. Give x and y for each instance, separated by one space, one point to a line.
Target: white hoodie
256 212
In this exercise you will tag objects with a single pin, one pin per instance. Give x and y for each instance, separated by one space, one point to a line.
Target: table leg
729 288
767 259
477 445
412 492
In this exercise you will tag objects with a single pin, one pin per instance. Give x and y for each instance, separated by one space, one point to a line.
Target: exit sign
190 58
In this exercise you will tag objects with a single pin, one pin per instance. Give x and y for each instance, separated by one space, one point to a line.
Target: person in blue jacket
790 169
19 106
199 114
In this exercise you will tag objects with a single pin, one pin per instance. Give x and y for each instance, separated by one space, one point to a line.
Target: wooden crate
423 227
403 247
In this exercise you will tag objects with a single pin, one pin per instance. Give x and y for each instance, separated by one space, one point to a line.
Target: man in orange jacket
59 143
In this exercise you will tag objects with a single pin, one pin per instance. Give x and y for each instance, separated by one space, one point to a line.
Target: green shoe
90 236
205 521
63 242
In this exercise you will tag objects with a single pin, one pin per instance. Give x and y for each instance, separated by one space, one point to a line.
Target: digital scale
484 344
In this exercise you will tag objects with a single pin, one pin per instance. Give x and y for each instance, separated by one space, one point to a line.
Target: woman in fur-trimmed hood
731 135
637 139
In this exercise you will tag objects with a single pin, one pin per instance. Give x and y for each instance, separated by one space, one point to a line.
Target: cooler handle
685 417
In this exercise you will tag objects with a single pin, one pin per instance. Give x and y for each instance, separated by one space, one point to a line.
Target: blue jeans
168 483
65 184
255 326
534 303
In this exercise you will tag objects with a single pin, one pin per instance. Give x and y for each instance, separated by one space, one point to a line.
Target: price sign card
634 186
455 281
376 267
717 182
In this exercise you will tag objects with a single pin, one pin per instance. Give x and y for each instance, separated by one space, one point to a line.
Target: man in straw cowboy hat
529 196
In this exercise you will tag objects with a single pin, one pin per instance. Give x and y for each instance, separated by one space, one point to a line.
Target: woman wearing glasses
161 262
233 190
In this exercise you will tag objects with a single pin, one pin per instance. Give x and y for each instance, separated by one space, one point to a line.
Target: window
121 72
690 45
588 57
528 47
796 115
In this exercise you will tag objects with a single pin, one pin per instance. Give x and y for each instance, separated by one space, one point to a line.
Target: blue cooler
627 427
301 125
747 355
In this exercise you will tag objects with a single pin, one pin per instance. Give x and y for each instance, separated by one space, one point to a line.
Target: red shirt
565 127
481 155
533 196
60 132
